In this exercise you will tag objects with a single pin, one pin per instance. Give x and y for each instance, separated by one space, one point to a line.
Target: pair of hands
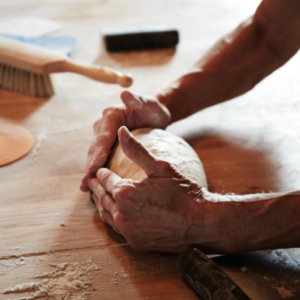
153 214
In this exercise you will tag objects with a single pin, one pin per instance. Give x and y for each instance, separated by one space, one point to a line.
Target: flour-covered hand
168 212
137 112
156 213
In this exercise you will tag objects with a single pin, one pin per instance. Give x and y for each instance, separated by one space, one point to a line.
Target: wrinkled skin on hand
168 212
155 213
137 112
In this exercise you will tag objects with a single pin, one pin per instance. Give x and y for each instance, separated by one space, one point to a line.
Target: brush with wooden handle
25 68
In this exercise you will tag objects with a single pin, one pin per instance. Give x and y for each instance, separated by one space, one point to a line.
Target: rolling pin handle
125 80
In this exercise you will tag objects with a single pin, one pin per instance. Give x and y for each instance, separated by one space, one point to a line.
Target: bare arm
233 66
268 221
236 63
168 212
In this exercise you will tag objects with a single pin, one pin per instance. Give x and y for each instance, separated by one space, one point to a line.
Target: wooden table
247 145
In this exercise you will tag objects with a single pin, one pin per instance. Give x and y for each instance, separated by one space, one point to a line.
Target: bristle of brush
21 81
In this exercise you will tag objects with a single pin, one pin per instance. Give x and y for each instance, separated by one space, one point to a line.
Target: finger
106 134
104 214
98 159
105 200
108 180
137 152
131 100
93 148
84 183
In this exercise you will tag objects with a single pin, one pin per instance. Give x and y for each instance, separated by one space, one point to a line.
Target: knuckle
122 222
107 111
126 226
103 175
122 192
111 111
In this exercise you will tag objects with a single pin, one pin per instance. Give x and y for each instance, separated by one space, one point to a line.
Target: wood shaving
70 282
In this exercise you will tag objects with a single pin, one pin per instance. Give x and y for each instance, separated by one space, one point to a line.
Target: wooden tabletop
247 145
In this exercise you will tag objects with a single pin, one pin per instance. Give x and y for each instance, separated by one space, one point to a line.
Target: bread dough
165 145
181 155
15 142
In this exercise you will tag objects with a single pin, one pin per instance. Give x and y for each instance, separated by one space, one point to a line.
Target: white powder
285 293
244 269
281 256
40 138
21 261
70 282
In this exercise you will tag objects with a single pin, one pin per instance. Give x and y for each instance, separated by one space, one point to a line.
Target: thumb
131 100
138 153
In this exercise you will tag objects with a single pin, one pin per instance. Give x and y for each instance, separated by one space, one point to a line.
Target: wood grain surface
248 145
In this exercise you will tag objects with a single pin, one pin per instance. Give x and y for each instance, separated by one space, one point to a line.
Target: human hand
156 213
138 111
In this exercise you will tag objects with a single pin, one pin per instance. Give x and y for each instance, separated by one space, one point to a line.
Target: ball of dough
165 145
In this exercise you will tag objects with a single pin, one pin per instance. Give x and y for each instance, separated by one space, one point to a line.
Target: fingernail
124 133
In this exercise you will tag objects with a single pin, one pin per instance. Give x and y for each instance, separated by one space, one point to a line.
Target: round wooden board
15 142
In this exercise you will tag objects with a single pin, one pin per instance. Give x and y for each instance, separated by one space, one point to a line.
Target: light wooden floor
247 145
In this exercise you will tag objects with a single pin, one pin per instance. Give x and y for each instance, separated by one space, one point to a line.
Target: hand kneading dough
176 151
165 145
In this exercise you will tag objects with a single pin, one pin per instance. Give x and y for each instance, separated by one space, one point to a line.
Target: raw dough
15 142
176 151
166 146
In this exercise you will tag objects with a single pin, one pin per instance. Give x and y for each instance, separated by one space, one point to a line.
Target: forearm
233 66
249 226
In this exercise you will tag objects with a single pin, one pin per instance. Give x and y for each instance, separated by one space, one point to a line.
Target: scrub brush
25 68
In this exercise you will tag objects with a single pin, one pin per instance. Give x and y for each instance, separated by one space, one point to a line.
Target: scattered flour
12 265
3 263
281 256
244 269
14 248
70 282
21 261
40 138
285 293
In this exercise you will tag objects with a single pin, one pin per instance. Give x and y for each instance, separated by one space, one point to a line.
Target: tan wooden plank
123 273
49 214
250 144
126 274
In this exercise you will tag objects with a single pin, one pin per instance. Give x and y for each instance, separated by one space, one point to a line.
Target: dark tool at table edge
207 279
